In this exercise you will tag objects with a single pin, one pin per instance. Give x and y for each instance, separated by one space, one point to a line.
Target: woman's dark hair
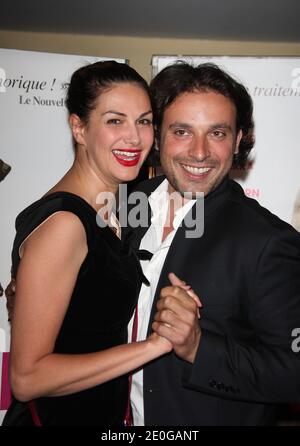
88 82
182 77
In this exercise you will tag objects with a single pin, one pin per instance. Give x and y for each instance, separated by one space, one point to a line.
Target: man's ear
157 137
77 128
237 142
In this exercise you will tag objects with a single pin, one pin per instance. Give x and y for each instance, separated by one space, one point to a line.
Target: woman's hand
160 343
177 318
175 281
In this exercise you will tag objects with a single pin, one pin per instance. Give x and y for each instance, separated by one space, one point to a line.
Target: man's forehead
210 102
203 93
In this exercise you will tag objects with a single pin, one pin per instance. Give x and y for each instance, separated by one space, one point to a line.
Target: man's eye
181 132
218 134
114 121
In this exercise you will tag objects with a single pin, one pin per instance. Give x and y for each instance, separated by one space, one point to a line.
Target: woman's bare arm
47 273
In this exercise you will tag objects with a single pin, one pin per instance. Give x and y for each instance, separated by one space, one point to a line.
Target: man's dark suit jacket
246 271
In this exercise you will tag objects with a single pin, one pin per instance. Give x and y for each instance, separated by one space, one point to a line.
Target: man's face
198 141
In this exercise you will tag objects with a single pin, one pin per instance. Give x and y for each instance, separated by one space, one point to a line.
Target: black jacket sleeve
265 368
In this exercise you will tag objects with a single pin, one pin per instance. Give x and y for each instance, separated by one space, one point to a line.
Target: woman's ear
77 128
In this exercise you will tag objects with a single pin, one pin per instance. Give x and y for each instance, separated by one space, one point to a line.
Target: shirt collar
158 201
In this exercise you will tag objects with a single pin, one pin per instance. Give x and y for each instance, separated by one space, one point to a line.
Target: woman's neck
82 180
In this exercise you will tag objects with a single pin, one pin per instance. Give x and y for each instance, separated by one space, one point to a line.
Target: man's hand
10 293
177 318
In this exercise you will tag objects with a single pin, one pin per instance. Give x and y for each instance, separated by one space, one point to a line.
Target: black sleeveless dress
101 306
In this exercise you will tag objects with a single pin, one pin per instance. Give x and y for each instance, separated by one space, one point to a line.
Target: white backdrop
273 175
35 141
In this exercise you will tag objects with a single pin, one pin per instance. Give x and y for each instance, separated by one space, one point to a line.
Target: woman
76 287
296 213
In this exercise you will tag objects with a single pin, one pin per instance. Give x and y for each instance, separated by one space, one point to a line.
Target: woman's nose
132 135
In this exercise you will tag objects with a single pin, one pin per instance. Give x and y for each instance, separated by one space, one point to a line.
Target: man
234 364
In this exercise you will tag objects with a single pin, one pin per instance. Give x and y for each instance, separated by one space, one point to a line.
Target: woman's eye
114 121
145 122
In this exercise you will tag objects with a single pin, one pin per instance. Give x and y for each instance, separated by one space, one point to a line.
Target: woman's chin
129 176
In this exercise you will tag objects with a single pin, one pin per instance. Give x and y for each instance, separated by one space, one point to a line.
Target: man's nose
199 148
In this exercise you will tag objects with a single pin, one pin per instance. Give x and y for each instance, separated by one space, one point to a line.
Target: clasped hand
177 318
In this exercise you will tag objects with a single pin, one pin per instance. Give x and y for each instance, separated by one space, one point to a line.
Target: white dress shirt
152 241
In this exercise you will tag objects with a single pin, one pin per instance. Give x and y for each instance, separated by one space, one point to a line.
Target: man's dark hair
182 77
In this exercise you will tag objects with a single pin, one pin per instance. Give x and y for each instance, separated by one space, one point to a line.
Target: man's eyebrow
217 125
221 125
182 125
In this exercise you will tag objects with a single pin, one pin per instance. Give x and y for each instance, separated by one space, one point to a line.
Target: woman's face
119 133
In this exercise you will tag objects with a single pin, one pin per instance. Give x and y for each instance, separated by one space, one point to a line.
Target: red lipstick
127 157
